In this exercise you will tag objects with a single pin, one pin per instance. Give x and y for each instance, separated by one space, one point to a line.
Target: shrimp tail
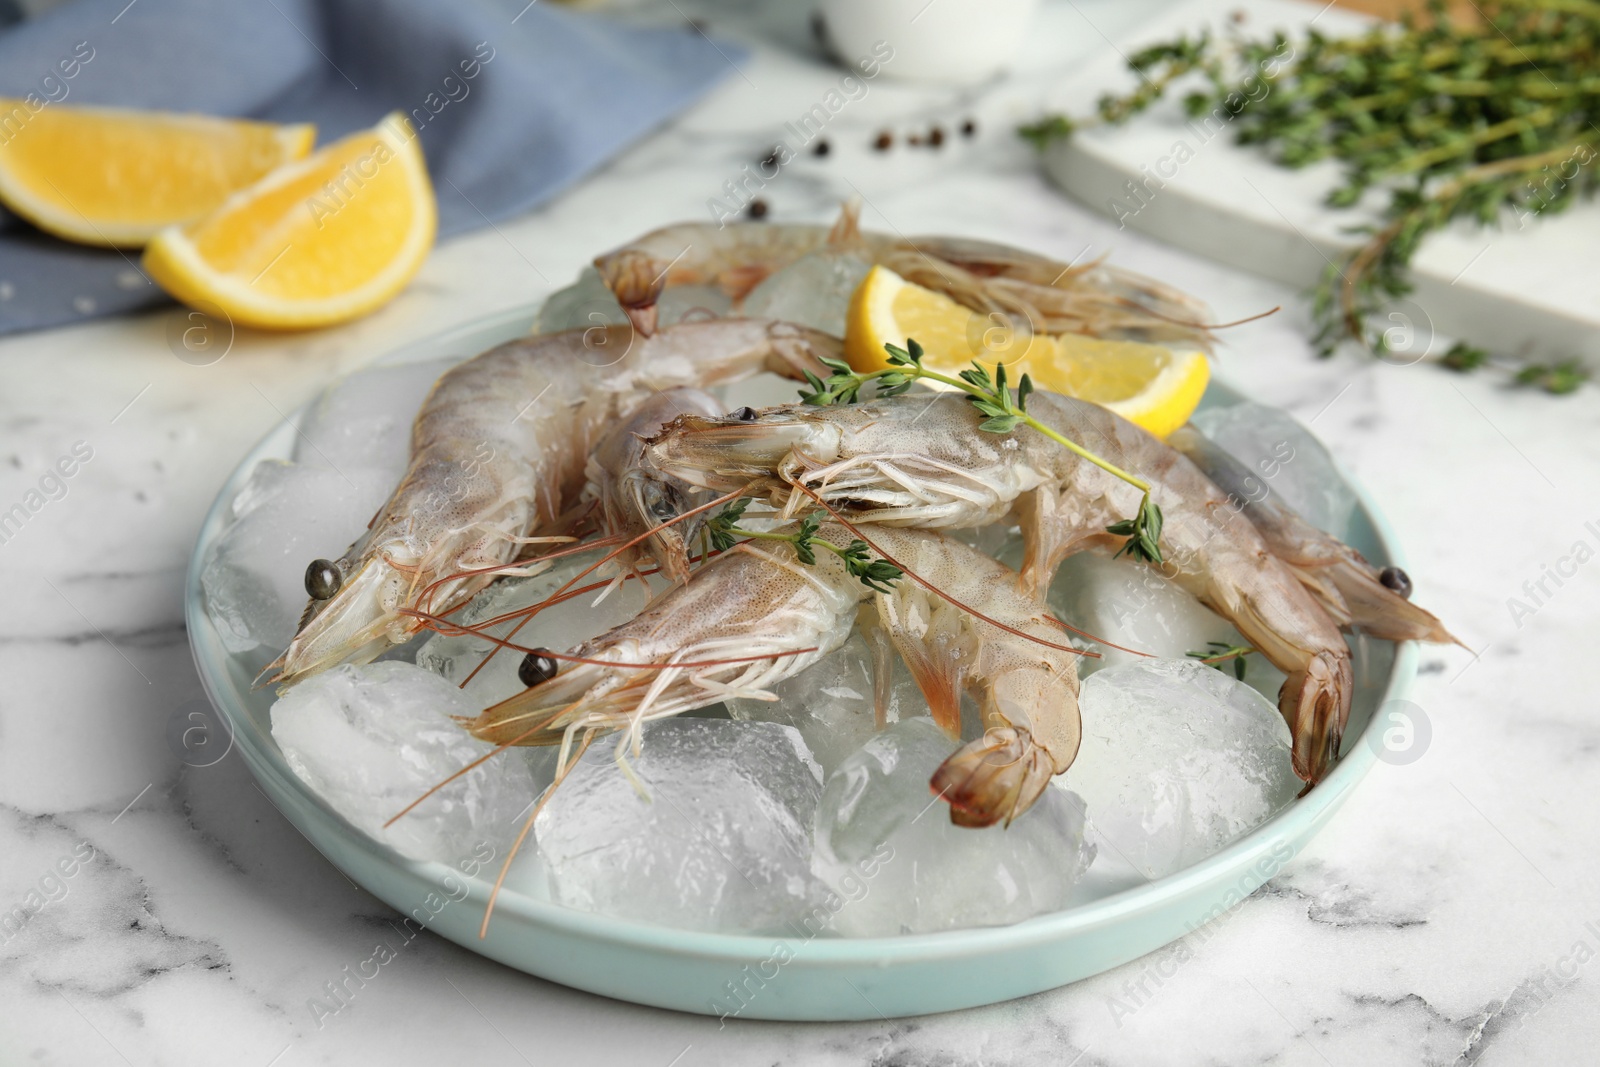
1315 701
1282 621
846 231
997 777
636 280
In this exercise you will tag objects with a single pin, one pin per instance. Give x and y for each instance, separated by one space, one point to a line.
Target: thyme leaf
1492 119
991 396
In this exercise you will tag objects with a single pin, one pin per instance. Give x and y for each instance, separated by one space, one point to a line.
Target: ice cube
560 628
1292 462
1177 761
587 302
1128 603
831 702
897 865
813 291
365 420
723 841
371 739
679 301
285 516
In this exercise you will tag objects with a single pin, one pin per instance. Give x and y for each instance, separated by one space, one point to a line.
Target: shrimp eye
661 501
744 414
323 579
536 667
1396 580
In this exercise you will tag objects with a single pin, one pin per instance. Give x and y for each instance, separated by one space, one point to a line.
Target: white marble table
1447 915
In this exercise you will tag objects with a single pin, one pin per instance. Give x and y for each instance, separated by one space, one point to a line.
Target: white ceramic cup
956 42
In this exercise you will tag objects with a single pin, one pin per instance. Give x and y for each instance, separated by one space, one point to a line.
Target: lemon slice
320 241
109 176
886 309
1150 385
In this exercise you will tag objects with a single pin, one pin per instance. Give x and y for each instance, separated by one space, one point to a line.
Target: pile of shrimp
622 455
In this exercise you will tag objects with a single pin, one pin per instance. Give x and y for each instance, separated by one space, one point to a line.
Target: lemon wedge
113 177
1150 385
320 241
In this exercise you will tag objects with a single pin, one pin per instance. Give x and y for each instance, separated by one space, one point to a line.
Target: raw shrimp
635 500
1028 291
759 606
920 460
1357 595
497 454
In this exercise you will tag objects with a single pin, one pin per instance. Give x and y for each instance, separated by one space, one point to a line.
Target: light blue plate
784 978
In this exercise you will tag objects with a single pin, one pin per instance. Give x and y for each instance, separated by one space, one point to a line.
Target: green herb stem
1066 442
1450 120
1220 652
879 575
992 398
1465 146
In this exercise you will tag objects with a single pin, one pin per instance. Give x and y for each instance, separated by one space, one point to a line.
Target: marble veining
1447 915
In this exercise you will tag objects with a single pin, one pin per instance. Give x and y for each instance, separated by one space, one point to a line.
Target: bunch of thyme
993 398
1442 120
878 575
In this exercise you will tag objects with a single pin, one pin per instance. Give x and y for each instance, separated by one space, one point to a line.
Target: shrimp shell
498 453
758 605
921 460
1034 292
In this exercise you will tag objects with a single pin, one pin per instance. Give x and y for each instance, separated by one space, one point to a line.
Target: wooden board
1527 287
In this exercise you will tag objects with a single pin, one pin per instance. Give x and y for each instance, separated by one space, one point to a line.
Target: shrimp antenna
920 580
534 609
1208 327
552 600
527 826
480 761
451 629
1058 624
426 592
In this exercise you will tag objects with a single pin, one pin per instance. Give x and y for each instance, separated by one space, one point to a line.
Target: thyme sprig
1492 120
1220 652
992 396
878 575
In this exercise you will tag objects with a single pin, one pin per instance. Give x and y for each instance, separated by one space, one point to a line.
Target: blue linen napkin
513 101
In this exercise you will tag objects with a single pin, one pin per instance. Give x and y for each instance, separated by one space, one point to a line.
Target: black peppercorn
1396 580
323 579
536 667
